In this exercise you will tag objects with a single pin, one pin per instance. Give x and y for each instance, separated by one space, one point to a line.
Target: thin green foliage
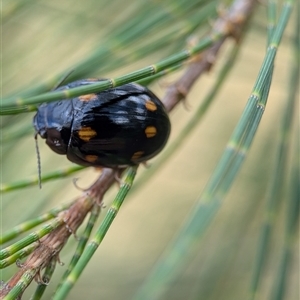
281 279
174 21
29 224
62 173
48 272
31 238
25 251
12 106
83 240
172 261
275 193
20 287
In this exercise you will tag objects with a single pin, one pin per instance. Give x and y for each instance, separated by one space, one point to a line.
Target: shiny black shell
121 126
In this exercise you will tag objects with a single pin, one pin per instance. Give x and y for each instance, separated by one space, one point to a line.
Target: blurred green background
42 39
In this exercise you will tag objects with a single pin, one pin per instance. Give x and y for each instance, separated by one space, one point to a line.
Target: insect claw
146 164
77 186
61 263
71 230
117 175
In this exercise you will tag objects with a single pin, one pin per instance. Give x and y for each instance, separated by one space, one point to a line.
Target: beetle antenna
38 160
64 77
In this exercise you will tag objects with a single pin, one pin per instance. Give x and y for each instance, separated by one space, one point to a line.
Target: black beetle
115 128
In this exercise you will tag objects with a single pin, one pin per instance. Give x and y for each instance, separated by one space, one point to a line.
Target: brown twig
230 24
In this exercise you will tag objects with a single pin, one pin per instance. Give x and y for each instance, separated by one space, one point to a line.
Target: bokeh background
42 39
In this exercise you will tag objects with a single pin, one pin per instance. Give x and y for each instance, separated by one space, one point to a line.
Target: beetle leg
117 174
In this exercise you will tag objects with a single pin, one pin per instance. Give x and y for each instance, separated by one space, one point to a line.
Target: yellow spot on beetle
150 131
150 105
88 97
137 155
91 158
86 133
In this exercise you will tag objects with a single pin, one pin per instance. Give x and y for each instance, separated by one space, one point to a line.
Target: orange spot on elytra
137 155
87 97
150 105
86 133
150 131
91 158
